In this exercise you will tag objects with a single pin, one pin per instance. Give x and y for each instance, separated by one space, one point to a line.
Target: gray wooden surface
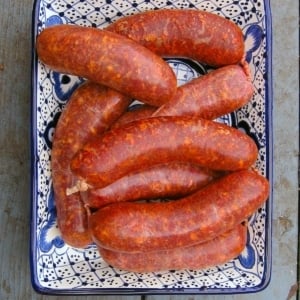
15 57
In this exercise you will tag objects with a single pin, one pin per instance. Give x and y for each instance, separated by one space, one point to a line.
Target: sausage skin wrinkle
146 142
200 217
90 111
171 180
211 96
109 59
217 251
195 34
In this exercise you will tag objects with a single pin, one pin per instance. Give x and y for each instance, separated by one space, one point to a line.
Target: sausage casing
136 113
195 34
171 180
217 251
109 59
200 217
210 96
90 111
146 142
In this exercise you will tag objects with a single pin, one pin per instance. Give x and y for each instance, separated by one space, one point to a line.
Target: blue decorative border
255 31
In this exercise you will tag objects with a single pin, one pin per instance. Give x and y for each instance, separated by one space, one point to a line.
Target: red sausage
146 142
217 93
90 110
171 180
198 35
137 113
200 217
220 250
109 59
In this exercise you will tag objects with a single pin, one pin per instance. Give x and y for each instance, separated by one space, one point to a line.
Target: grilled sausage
146 142
171 180
200 217
90 110
198 35
109 59
217 251
210 96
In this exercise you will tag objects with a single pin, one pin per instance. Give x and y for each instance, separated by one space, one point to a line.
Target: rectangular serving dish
57 268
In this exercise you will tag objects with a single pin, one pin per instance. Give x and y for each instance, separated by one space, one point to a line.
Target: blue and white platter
56 267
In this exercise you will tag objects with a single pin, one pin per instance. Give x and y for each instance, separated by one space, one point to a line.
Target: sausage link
217 93
171 180
200 217
109 59
146 142
198 35
136 113
90 111
217 251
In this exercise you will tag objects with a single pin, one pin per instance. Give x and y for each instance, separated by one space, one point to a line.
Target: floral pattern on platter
49 234
59 267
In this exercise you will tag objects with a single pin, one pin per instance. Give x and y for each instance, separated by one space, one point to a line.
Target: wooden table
15 59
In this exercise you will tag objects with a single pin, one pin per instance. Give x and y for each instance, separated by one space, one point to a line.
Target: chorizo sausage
199 35
210 96
200 217
109 59
171 180
217 251
146 142
136 113
90 110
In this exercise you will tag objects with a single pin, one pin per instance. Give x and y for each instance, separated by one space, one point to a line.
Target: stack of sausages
105 159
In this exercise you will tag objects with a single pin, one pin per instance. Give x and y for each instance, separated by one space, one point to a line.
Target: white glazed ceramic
60 269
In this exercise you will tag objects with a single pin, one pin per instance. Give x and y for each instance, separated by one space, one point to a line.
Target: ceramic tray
60 269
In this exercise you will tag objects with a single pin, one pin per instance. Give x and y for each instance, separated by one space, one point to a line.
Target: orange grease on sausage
109 59
90 111
200 217
217 251
195 34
